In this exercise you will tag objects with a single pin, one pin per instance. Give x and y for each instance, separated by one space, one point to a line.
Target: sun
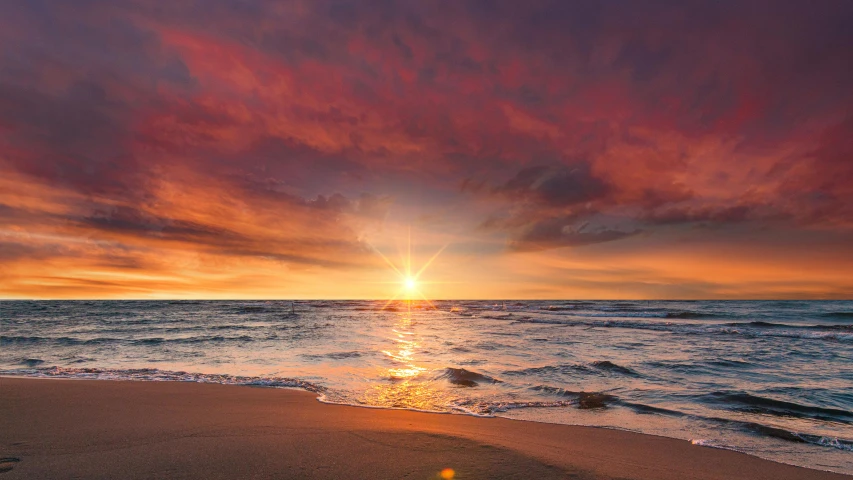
409 280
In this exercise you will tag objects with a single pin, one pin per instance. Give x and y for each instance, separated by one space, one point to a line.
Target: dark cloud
561 232
716 215
131 221
554 186
75 137
118 222
11 251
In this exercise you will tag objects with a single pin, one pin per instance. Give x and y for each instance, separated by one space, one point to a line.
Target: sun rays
409 280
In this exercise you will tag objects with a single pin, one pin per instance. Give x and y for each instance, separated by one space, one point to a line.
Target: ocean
772 379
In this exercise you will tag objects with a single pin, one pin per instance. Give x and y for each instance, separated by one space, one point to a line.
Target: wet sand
103 429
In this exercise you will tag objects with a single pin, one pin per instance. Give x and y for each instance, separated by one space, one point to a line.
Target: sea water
769 378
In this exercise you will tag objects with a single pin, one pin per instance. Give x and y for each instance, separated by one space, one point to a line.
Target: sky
565 149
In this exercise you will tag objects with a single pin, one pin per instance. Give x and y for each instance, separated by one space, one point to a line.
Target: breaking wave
465 378
745 402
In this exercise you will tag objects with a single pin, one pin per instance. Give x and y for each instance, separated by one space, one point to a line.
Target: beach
769 379
123 429
344 239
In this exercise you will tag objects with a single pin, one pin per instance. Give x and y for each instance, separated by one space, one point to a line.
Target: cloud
74 137
554 186
560 232
217 132
130 221
716 215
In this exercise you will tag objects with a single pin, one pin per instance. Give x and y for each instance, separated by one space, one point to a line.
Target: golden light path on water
400 388
400 385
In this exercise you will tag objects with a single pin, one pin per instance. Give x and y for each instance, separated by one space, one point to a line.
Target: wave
490 408
745 402
563 306
490 346
596 400
838 333
214 327
628 311
612 367
558 308
466 378
833 336
762 324
72 341
280 308
694 315
251 308
599 400
156 375
787 435
597 367
333 355
616 314
581 400
76 359
700 366
644 409
833 442
320 304
843 328
191 340
593 400
8 340
839 315
460 349
728 363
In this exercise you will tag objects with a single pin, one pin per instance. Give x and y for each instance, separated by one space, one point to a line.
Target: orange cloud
224 149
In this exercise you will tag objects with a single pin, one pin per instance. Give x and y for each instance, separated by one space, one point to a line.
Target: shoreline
320 396
62 429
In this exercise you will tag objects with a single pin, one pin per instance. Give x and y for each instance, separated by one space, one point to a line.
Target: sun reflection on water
402 384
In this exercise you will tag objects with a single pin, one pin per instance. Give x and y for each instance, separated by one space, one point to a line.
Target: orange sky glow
213 150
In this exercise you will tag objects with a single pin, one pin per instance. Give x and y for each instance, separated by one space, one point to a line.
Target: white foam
703 442
834 443
156 375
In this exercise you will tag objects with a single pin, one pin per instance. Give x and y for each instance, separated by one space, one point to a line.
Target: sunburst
409 279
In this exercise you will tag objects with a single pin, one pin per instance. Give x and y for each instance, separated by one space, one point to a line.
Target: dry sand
56 429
